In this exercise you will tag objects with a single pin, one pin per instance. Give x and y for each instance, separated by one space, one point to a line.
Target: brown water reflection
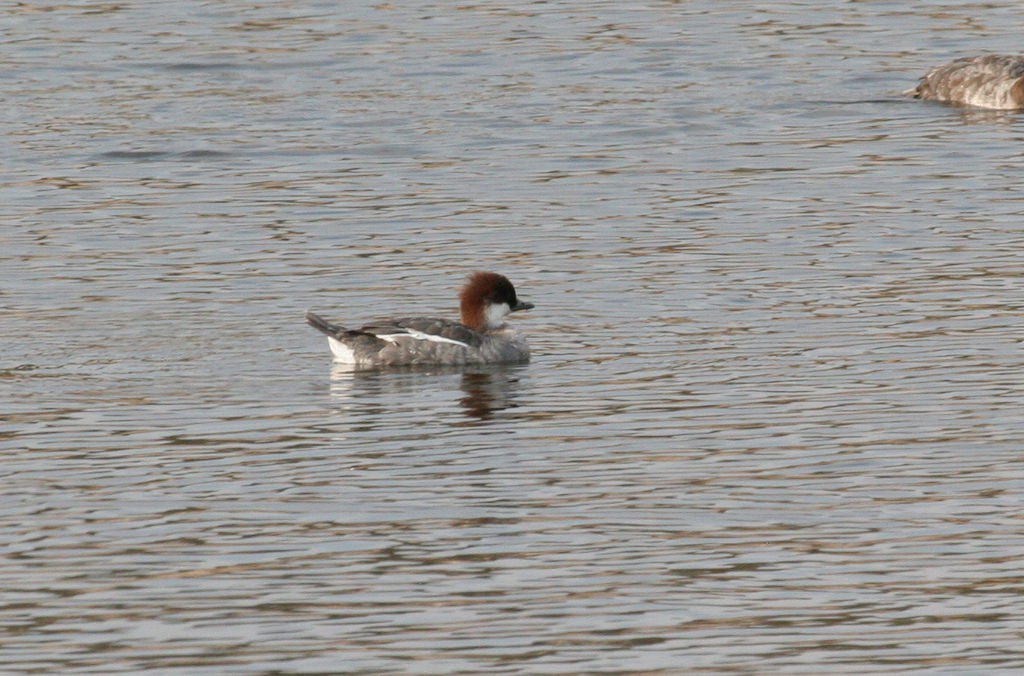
485 390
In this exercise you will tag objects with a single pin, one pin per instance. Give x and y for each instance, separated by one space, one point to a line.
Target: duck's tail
322 325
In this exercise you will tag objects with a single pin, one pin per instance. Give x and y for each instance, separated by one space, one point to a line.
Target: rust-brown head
485 300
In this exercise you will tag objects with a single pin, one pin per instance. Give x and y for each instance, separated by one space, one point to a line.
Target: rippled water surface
773 422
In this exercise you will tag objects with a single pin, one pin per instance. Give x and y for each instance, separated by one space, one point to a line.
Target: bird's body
482 337
991 81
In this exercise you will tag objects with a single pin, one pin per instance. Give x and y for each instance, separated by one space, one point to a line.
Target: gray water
772 424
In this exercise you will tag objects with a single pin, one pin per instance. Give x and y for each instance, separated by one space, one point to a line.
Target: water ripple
772 421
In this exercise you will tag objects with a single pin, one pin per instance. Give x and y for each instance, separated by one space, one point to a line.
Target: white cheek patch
419 335
495 313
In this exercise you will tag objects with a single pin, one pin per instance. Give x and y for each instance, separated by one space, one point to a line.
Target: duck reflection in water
484 389
489 391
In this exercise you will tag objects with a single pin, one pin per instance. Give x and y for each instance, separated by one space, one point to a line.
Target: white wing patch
419 335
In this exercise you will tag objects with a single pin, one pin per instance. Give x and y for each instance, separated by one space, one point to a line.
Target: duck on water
991 81
482 337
